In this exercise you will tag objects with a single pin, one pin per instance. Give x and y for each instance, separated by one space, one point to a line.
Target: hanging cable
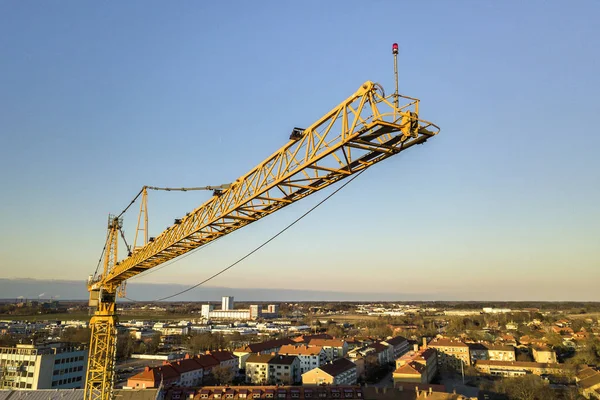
101 255
131 203
259 247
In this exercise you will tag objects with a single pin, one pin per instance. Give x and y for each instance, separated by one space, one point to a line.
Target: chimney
146 368
415 347
187 356
424 343
430 390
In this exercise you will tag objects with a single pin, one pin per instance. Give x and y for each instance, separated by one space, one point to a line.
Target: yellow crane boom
364 129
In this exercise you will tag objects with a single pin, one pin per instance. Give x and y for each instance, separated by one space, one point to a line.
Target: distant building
416 366
588 382
334 348
255 311
48 366
399 345
501 353
252 313
339 372
273 308
544 355
518 368
478 351
310 357
153 377
227 303
206 310
272 369
451 354
268 347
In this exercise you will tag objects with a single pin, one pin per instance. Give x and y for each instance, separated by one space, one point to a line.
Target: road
386 381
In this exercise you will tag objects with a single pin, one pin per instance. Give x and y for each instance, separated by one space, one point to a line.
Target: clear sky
100 98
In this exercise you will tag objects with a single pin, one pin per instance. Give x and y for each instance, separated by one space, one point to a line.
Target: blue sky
98 99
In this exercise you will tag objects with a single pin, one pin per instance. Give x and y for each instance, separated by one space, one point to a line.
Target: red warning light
395 48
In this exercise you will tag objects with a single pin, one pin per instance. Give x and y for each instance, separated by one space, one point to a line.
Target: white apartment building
227 303
310 357
49 366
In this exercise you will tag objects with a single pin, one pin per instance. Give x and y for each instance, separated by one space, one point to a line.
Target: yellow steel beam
363 130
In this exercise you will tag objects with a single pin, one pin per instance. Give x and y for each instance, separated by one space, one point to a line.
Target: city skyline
503 202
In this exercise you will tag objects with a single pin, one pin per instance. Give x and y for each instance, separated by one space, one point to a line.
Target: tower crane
362 130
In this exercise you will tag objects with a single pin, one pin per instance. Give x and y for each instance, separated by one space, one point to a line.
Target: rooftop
337 367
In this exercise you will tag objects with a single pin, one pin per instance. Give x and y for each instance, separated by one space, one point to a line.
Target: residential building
226 359
227 303
153 377
206 309
273 309
477 351
417 366
257 368
339 372
255 311
501 353
544 355
451 354
268 347
44 366
334 348
284 370
309 357
190 371
207 362
279 392
518 368
399 345
272 369
588 382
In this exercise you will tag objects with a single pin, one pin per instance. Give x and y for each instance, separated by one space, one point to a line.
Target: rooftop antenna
395 53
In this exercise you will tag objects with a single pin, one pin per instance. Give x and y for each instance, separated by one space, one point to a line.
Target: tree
528 387
222 375
125 345
335 330
76 335
153 344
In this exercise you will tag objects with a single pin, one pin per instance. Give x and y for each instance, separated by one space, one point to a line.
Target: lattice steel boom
364 129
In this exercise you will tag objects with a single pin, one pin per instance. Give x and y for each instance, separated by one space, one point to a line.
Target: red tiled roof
307 338
446 343
259 358
186 365
154 374
222 355
206 361
262 346
326 342
412 368
300 350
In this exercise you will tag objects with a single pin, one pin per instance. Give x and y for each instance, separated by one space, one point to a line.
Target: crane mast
364 129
